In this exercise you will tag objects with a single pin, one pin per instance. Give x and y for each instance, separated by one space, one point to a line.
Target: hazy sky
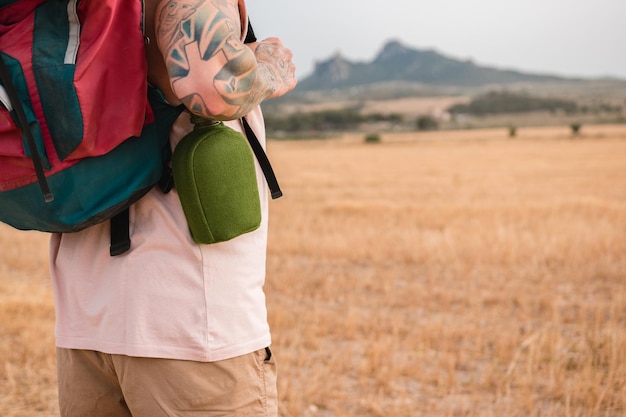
563 37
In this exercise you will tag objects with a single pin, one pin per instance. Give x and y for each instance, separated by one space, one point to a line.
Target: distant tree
512 131
372 138
575 128
379 117
427 123
315 121
506 102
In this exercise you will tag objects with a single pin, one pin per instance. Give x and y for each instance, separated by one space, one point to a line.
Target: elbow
225 95
236 91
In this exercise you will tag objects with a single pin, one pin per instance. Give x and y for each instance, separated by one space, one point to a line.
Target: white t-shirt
168 297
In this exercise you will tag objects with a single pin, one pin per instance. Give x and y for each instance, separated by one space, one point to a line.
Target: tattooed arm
208 67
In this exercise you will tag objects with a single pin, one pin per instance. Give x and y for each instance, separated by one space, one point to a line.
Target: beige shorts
95 384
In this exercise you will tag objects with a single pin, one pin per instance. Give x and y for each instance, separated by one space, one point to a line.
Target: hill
397 62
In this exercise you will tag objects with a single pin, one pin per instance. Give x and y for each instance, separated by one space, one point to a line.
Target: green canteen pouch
215 177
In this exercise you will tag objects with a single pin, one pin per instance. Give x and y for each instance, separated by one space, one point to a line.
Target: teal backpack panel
79 72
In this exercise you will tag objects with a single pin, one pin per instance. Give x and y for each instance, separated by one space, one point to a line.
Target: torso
168 297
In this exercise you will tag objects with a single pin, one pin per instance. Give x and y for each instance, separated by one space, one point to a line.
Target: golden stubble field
433 274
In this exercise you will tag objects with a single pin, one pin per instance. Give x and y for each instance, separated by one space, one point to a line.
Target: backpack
79 140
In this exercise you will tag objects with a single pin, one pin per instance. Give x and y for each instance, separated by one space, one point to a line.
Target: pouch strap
264 162
22 123
258 150
120 233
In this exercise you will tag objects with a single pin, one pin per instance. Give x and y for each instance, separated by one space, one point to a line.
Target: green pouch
215 176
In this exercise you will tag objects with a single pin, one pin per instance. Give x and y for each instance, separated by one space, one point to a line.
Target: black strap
250 36
22 123
258 150
166 183
120 233
264 162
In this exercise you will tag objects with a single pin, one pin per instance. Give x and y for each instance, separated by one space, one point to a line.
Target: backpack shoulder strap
250 36
5 78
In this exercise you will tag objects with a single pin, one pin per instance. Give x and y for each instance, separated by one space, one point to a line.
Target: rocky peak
335 69
392 50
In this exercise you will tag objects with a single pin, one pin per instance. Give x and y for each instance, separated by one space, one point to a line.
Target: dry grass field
438 274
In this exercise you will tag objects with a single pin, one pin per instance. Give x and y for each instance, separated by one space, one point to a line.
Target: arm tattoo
275 64
195 34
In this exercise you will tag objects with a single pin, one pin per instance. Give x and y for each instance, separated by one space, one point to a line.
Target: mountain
397 62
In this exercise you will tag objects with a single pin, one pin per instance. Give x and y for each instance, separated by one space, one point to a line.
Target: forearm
275 69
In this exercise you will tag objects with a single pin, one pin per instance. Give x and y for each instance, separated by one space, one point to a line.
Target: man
173 328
